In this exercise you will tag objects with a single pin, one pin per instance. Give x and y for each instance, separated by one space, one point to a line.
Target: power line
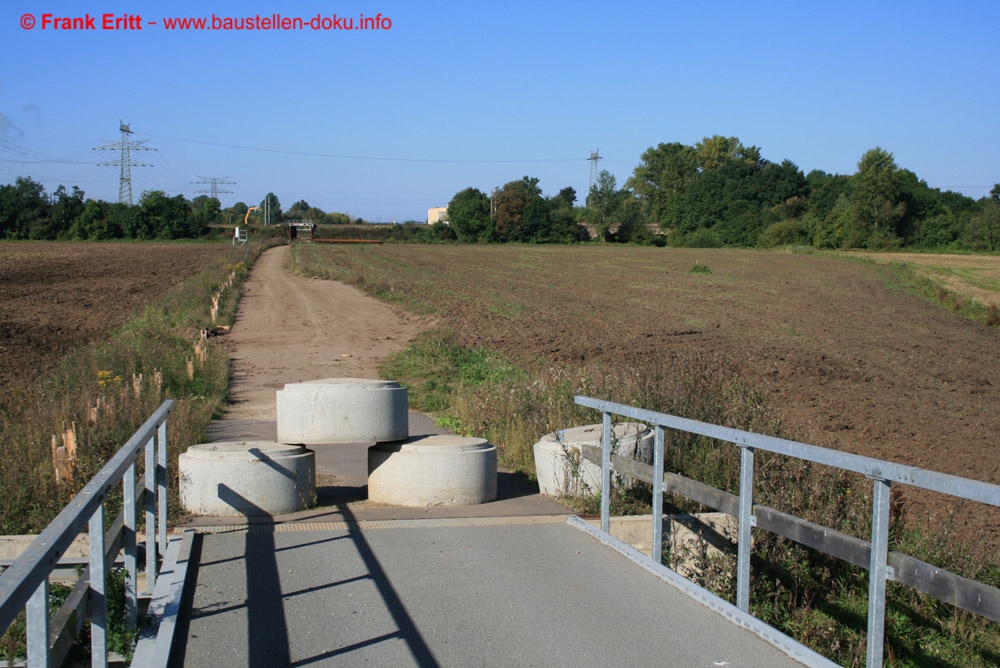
364 157
126 146
214 182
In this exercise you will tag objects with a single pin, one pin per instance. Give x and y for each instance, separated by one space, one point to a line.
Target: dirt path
290 329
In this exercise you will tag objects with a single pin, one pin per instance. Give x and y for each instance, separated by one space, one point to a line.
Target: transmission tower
125 146
594 157
493 202
213 183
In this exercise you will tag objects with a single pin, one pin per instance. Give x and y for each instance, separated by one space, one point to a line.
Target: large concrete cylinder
247 478
562 471
342 410
435 470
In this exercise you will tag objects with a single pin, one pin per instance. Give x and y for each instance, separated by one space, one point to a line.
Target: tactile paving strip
379 524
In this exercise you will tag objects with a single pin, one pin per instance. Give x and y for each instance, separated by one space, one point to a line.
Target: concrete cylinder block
562 471
247 478
435 470
342 410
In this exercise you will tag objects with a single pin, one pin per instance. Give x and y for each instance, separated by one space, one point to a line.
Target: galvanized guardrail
875 556
25 584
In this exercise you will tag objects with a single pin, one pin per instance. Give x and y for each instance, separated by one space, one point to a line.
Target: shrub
783 233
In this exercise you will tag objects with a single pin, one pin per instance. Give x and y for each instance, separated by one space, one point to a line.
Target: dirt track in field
291 329
850 358
55 296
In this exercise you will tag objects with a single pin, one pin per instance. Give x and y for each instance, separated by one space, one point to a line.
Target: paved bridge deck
507 583
528 591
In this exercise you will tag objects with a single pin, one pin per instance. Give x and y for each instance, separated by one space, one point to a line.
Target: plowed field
850 358
54 296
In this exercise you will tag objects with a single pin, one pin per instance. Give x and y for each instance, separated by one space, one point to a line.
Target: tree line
28 212
715 193
722 193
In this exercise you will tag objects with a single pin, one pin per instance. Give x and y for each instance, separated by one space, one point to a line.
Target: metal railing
25 584
875 556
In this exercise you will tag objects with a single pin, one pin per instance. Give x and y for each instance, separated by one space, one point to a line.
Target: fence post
878 572
161 483
98 591
131 569
37 612
746 521
656 551
606 472
150 498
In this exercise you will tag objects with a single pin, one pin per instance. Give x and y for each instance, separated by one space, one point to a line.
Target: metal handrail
25 585
882 474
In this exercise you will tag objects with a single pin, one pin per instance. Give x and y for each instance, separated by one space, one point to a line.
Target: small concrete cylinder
342 410
247 478
435 470
562 471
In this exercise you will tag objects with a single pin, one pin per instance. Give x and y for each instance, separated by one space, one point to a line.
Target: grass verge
101 393
953 300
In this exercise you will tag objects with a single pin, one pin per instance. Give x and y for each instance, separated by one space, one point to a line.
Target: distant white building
437 214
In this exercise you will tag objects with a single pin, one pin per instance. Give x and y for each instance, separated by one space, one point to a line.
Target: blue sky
384 124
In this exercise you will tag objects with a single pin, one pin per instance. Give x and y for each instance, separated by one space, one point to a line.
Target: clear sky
385 123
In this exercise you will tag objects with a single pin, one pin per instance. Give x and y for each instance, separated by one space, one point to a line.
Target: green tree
24 210
511 202
823 191
716 151
832 230
469 215
537 227
302 211
165 217
336 219
604 203
129 220
661 179
562 218
877 200
95 224
205 211
566 198
982 233
272 210
66 210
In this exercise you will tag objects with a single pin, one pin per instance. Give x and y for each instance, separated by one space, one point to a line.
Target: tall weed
103 392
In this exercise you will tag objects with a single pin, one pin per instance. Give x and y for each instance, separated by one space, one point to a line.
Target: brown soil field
850 358
55 296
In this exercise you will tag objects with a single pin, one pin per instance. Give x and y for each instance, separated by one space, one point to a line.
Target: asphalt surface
506 583
528 592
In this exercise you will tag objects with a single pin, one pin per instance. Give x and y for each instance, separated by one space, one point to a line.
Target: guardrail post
606 472
161 483
98 591
37 612
744 544
150 498
656 551
131 568
878 572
